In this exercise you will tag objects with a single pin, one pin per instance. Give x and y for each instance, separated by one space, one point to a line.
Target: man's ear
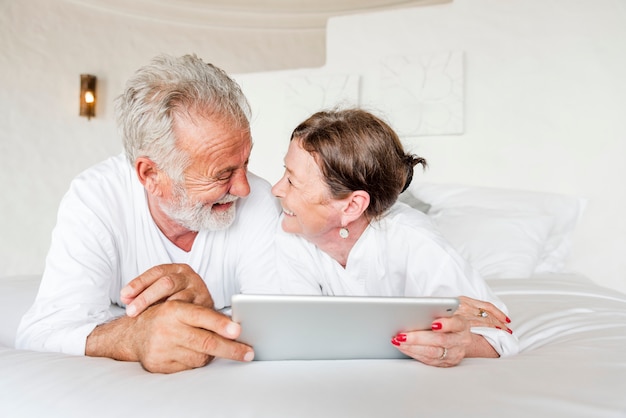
148 175
356 204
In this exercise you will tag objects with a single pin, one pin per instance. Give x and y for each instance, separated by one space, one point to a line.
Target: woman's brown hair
356 150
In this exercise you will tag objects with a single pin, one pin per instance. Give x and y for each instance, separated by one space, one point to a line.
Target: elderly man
177 215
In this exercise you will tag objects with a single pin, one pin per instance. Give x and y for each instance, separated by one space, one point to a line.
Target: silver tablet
281 327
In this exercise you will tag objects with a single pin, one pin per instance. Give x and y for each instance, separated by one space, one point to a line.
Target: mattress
572 334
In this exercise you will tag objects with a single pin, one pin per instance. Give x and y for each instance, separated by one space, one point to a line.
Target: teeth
288 212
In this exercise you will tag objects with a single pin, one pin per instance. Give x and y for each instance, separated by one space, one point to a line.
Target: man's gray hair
165 87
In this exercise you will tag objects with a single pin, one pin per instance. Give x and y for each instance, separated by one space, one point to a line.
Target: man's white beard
198 216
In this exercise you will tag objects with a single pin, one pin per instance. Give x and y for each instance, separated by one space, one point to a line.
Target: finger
157 292
429 339
478 306
429 354
223 331
429 347
454 323
188 359
435 356
418 351
489 321
142 282
165 342
205 342
201 331
493 317
167 281
200 317
445 330
493 311
194 296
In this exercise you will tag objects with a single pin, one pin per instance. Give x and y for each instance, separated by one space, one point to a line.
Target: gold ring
482 313
444 354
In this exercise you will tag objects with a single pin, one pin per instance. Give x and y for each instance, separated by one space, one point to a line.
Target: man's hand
165 282
169 337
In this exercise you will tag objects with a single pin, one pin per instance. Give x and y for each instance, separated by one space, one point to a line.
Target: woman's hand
482 314
449 342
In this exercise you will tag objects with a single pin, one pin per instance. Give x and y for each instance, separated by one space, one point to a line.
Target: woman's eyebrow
291 174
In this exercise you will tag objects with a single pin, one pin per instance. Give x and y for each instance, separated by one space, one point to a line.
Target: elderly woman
344 234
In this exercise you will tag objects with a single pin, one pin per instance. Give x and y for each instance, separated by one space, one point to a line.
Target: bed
572 335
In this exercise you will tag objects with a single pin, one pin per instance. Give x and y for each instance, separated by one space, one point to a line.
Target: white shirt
401 254
105 237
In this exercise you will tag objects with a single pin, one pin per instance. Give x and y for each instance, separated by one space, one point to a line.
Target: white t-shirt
401 254
105 237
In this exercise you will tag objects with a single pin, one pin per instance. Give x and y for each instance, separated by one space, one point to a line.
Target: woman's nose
277 189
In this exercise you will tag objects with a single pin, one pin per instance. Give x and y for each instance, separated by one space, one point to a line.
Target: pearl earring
343 232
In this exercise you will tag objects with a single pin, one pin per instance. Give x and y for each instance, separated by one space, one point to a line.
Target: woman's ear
148 175
357 204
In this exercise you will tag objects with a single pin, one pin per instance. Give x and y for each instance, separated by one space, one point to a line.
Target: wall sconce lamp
88 95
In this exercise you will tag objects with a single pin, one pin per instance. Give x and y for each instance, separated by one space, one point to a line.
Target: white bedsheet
572 333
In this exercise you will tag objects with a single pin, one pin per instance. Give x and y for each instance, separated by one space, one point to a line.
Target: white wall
44 47
544 102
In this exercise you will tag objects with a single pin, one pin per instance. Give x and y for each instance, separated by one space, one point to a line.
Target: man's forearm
113 340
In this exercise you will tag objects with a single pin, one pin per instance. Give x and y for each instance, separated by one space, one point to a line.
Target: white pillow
499 244
17 293
566 212
414 202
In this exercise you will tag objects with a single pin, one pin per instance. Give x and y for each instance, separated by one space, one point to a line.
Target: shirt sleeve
504 343
74 295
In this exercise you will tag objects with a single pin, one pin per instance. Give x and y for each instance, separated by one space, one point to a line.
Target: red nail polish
510 331
498 328
508 320
400 337
394 342
436 325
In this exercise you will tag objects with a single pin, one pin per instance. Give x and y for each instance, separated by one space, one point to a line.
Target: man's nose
240 186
